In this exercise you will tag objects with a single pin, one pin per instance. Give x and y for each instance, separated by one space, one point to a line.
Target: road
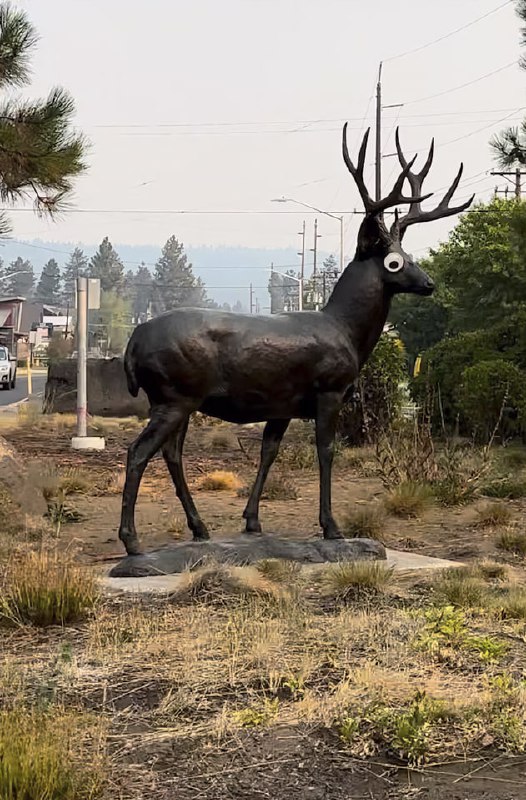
20 391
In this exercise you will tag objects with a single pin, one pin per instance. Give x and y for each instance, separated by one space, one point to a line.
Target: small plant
461 588
409 500
277 487
490 650
512 604
175 526
42 589
493 515
298 456
220 481
364 523
513 542
36 762
75 481
351 580
505 489
257 715
348 729
219 440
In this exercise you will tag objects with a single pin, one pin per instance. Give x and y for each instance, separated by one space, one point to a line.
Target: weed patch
220 481
364 523
409 500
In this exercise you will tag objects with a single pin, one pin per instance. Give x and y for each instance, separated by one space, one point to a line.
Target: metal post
82 336
518 183
378 171
29 373
302 269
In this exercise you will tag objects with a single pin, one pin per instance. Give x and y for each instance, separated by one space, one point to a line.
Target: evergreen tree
76 267
237 308
20 278
48 289
3 280
138 290
107 266
510 147
174 283
39 151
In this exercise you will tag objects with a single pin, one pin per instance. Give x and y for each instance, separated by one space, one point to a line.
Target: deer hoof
332 533
201 534
253 526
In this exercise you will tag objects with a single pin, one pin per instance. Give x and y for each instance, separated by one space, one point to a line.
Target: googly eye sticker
394 262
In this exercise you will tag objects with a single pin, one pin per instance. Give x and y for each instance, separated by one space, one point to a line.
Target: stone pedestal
246 549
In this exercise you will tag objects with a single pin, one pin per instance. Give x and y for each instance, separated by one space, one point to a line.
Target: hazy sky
200 105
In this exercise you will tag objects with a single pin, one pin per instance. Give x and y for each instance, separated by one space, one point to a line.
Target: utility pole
302 269
82 441
251 300
315 265
514 177
378 166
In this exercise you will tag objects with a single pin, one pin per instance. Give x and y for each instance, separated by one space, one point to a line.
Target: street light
292 277
320 211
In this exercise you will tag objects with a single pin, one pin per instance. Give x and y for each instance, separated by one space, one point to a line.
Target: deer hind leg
173 456
272 435
326 419
162 423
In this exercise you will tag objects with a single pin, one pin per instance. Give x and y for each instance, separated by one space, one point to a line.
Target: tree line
171 285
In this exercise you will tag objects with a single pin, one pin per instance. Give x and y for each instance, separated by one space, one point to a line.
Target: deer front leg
173 456
162 423
326 419
272 435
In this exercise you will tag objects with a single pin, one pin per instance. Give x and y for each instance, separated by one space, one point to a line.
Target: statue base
246 549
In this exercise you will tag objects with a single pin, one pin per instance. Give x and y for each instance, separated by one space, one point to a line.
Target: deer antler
395 197
416 179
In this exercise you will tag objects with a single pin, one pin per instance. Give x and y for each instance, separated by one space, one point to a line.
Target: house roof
12 299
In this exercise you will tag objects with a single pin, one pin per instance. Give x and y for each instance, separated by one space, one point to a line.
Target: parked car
7 369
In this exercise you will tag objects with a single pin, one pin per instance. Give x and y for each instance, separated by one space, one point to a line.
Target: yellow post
29 376
418 364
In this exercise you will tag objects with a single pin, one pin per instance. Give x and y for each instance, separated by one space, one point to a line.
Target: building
18 317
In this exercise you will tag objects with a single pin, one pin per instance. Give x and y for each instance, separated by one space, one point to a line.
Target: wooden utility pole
378 163
302 269
514 177
251 300
314 250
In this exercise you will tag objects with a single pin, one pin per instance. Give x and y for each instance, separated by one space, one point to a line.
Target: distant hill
226 271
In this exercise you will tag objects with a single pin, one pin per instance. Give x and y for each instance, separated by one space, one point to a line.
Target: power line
448 35
286 122
462 85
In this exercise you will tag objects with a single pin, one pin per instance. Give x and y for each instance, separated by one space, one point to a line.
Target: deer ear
370 236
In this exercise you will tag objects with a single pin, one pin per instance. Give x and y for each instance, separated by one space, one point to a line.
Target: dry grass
512 604
505 489
221 583
279 570
220 440
494 515
512 541
409 500
37 758
220 481
351 580
277 487
462 588
368 522
45 588
176 526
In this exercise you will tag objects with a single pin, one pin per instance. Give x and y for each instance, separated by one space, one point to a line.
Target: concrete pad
409 561
166 584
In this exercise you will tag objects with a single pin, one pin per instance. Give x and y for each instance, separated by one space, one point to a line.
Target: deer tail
129 368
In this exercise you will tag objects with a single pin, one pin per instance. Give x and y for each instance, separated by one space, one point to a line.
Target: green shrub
489 391
378 395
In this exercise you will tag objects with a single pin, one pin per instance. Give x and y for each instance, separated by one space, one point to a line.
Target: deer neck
361 302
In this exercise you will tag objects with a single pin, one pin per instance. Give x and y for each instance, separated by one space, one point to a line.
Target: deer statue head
380 247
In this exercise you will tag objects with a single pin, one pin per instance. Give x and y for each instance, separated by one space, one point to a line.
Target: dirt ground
169 680
444 533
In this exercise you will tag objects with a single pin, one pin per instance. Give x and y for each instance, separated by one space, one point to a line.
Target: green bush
488 390
445 368
378 395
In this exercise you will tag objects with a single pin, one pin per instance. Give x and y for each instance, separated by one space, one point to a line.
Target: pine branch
17 39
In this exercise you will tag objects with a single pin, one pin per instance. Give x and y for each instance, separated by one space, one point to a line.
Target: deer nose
429 285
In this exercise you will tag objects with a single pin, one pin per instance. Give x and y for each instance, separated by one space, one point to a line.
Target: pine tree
39 151
22 280
174 283
107 266
237 308
3 280
76 267
48 289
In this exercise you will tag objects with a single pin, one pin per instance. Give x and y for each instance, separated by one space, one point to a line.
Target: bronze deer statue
243 368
